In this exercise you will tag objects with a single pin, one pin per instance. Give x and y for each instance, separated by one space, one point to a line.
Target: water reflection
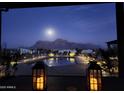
67 59
59 61
51 61
72 60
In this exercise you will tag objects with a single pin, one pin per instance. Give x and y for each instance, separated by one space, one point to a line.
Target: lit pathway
85 60
31 59
37 58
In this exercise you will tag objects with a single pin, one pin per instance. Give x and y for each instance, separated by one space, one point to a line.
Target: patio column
120 36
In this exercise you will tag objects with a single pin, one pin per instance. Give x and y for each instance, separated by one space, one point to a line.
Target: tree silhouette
105 55
7 59
78 51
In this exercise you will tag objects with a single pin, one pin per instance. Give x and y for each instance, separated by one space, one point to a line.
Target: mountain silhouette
63 44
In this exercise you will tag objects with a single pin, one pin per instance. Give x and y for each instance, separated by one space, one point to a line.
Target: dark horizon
49 41
95 24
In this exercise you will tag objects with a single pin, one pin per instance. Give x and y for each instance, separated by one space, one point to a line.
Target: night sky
94 24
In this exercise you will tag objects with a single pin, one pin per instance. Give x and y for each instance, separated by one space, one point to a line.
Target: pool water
50 62
54 66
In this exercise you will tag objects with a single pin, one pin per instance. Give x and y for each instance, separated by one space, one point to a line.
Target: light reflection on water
71 60
59 61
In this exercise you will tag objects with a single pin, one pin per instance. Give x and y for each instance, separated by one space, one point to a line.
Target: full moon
50 32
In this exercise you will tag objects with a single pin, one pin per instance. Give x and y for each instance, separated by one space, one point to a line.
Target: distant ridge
63 44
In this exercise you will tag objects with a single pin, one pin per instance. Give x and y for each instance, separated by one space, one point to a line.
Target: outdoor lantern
51 55
94 76
72 54
39 76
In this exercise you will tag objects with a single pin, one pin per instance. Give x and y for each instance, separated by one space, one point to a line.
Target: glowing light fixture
94 77
39 76
72 54
51 55
12 63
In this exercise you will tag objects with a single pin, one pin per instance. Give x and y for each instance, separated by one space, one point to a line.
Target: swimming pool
50 62
54 66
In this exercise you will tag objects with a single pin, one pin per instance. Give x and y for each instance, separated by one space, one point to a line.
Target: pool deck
64 78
